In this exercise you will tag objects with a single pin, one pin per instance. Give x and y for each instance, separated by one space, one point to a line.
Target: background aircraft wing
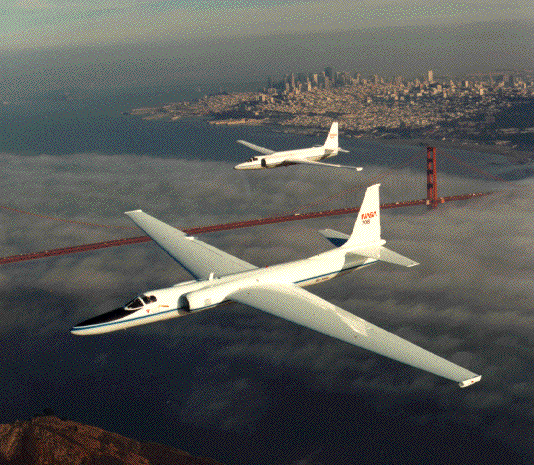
256 147
310 162
300 306
197 257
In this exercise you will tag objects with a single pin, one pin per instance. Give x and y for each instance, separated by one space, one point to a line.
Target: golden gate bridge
431 201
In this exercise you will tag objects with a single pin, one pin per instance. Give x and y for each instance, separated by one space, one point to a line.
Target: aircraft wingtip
470 381
133 211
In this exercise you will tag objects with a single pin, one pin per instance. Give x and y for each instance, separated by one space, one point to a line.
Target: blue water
95 123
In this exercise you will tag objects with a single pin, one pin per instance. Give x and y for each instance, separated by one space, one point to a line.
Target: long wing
256 147
302 307
310 162
197 257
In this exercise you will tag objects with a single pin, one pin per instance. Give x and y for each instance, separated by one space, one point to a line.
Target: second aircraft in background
310 156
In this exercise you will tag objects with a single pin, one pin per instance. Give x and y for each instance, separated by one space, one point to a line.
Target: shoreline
516 157
519 157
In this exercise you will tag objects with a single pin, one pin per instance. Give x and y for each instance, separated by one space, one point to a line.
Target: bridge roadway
225 226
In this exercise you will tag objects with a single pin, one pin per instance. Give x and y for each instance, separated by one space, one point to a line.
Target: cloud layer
470 300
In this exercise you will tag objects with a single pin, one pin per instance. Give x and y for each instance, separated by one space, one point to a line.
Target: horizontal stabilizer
335 237
378 252
385 255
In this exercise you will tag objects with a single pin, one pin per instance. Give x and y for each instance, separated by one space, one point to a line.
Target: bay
69 124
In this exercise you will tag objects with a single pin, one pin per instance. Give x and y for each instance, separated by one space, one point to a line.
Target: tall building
430 76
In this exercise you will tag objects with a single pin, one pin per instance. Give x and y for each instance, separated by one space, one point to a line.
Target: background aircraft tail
366 239
331 142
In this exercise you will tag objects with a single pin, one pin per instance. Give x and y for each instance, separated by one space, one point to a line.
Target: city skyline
330 77
472 108
212 63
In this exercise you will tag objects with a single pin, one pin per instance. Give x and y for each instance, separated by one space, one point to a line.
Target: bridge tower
431 183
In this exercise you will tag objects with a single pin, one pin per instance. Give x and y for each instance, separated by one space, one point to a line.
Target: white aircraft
220 278
310 156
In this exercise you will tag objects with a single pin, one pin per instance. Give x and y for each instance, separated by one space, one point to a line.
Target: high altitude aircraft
220 278
309 156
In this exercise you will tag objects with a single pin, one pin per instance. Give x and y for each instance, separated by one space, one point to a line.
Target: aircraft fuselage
194 296
285 158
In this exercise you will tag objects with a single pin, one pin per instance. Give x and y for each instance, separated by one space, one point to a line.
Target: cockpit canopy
140 302
253 159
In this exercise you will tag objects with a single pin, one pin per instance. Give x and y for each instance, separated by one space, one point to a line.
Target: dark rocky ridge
48 440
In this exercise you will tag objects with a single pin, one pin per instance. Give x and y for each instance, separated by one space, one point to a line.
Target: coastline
512 155
518 157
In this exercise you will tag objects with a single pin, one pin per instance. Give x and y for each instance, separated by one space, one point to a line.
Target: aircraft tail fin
331 142
366 229
366 239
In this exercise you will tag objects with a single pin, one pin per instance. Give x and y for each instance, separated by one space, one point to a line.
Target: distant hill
50 440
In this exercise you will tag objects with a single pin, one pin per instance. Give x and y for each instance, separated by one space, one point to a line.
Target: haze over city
53 46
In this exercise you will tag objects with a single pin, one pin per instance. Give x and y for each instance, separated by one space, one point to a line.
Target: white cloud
470 300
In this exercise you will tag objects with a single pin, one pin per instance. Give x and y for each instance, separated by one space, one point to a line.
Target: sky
42 23
58 45
278 391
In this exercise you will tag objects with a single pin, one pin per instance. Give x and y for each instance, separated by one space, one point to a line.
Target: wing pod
205 298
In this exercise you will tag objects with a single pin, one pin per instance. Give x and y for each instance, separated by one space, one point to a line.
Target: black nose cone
108 317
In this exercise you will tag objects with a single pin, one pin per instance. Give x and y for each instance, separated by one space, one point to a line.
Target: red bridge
431 201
